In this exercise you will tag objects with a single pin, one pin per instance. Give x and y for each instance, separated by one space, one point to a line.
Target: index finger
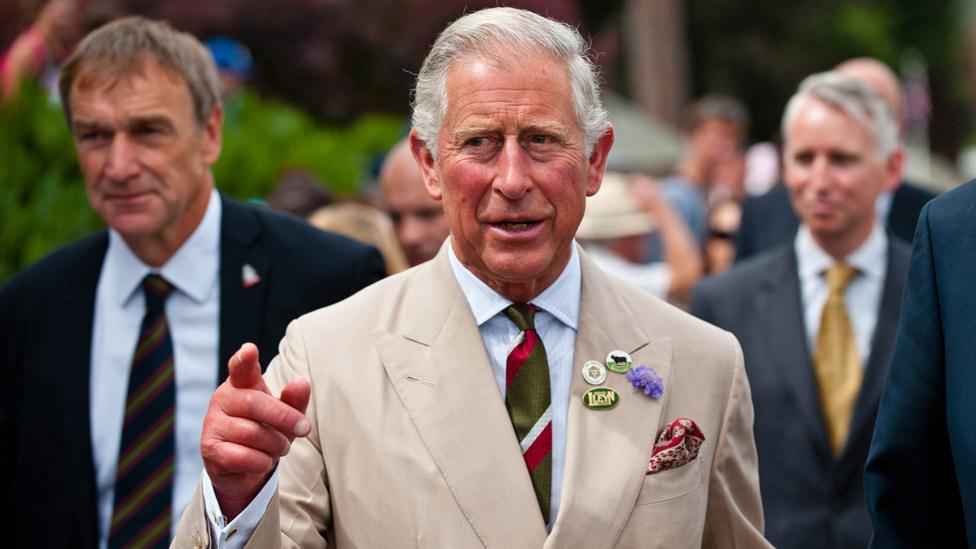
244 370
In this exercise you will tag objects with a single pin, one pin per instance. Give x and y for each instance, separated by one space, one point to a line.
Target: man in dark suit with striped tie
111 346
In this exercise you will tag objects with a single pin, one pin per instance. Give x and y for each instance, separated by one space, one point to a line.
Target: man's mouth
517 225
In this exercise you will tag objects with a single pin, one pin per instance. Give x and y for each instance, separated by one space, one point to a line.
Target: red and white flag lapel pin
249 276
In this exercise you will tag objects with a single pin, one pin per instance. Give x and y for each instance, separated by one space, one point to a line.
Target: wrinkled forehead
490 86
506 58
109 73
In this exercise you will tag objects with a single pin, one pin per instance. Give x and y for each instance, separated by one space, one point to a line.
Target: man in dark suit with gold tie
816 317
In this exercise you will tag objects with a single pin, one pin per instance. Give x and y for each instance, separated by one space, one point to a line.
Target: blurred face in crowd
419 220
834 174
513 172
716 139
145 157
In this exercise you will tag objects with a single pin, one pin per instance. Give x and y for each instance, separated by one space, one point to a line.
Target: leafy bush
42 193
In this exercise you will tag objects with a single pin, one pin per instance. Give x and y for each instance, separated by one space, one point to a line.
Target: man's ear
212 138
428 166
598 161
893 169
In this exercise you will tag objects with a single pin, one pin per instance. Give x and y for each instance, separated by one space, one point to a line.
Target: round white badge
594 373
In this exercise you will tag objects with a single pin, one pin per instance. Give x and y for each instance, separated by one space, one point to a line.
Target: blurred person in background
716 127
300 193
617 219
418 219
111 346
816 317
37 52
234 64
723 224
768 220
366 224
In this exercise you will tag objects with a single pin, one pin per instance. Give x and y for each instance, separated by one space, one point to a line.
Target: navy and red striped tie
141 514
528 401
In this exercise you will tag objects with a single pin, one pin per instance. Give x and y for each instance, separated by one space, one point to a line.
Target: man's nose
121 163
410 230
513 180
821 174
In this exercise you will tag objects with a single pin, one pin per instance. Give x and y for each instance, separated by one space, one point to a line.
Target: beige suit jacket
411 445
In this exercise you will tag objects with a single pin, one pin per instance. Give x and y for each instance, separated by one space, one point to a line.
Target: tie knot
156 290
522 314
838 276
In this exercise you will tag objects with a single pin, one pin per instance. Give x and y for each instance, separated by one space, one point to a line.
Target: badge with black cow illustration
619 361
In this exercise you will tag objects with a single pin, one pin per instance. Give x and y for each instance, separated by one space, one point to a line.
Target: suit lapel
71 360
603 474
882 344
441 372
787 342
240 306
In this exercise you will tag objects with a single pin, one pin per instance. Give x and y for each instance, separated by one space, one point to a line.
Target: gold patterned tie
836 362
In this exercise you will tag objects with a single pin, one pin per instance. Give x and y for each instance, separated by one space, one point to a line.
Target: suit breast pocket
671 484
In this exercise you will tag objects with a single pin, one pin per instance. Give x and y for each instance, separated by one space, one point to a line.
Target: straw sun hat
613 212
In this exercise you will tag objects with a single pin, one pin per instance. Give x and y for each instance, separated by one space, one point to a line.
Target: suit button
197 544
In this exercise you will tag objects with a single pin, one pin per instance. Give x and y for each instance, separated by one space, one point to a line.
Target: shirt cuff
234 534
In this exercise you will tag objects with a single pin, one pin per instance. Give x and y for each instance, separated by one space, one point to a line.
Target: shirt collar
192 269
561 299
869 258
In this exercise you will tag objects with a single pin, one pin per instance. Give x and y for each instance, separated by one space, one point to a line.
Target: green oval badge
600 398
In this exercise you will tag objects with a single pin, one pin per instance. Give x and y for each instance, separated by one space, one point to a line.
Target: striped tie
141 513
528 402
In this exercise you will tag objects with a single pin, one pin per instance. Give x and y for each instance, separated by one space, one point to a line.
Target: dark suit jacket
810 498
921 479
768 220
47 474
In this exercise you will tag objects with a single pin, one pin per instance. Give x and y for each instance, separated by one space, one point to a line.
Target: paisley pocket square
677 445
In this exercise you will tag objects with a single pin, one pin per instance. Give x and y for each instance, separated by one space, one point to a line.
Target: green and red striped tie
528 402
142 513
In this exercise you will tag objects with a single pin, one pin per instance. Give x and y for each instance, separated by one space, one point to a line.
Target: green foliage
262 138
42 196
42 193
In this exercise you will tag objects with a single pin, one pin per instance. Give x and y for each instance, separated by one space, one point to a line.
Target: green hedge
42 195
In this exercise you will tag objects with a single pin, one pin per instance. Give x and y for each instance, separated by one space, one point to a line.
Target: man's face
834 172
716 139
513 172
419 220
145 159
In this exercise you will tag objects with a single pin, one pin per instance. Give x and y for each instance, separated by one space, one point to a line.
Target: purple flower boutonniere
646 379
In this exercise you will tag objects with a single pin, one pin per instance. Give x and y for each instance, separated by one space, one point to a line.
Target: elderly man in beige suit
507 393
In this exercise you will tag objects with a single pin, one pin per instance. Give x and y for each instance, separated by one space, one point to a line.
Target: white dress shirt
193 312
556 322
862 298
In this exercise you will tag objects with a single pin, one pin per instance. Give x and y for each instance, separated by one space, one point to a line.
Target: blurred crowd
744 235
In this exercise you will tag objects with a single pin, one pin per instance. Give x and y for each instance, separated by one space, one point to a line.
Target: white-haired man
817 317
467 402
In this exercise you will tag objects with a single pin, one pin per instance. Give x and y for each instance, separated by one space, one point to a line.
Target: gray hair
854 98
477 34
123 45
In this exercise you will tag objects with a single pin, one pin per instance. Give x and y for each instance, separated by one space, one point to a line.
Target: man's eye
477 141
148 130
841 159
540 139
803 158
90 136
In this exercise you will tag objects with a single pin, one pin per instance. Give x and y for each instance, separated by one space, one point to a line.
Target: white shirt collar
869 258
561 299
191 270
